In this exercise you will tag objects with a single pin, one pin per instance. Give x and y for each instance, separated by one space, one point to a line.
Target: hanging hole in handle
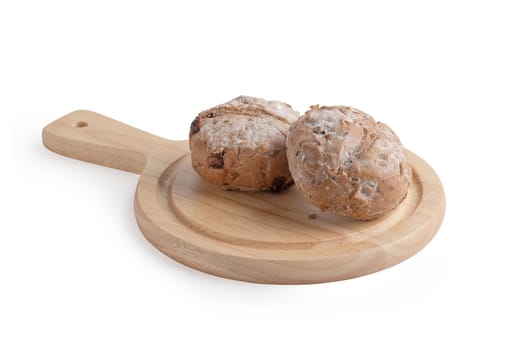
80 124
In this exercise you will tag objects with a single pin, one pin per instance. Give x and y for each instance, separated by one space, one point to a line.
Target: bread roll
240 145
346 163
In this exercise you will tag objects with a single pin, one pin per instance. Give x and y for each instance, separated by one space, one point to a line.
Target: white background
76 272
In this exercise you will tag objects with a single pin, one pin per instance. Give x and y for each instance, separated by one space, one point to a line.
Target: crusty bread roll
346 163
240 145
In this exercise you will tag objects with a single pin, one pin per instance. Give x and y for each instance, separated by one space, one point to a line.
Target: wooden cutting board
255 237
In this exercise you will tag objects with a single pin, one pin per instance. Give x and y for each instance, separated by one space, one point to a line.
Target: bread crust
240 145
346 163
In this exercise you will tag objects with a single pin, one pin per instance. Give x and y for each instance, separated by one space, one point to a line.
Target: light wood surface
256 237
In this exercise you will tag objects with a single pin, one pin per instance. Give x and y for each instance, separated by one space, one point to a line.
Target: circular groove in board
268 220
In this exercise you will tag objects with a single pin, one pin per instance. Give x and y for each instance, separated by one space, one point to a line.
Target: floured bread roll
346 163
240 145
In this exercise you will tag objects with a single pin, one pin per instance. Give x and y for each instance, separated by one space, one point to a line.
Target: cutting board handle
94 138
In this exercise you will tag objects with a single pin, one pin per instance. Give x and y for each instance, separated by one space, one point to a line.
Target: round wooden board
256 237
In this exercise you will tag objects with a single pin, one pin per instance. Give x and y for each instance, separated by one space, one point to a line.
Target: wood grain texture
255 237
